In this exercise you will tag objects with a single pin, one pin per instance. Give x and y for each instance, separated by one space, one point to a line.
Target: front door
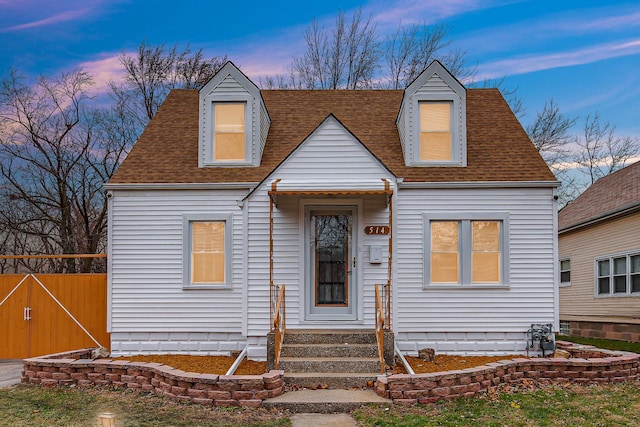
331 263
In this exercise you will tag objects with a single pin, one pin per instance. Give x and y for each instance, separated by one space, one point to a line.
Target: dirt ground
220 364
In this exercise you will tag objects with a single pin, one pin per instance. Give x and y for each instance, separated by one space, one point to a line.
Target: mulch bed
220 364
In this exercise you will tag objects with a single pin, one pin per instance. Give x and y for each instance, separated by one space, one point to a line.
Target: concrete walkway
10 372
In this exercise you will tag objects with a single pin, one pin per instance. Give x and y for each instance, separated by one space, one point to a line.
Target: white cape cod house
435 193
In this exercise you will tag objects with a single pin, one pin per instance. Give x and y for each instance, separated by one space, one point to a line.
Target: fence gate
51 313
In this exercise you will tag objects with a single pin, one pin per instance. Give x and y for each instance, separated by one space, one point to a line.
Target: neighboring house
599 241
435 190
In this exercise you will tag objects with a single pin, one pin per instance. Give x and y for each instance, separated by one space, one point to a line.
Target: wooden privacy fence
50 313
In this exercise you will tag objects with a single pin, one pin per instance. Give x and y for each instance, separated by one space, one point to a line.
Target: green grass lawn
602 343
613 405
605 405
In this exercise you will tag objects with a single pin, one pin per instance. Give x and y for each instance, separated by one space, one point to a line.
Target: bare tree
154 70
550 133
412 48
55 155
345 58
600 151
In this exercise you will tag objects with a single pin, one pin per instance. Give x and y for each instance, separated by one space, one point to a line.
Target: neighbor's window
565 272
466 251
435 131
618 275
229 138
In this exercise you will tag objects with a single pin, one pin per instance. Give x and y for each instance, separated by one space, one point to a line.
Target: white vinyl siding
529 296
147 263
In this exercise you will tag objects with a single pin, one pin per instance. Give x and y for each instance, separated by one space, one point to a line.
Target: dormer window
234 121
229 136
432 120
435 131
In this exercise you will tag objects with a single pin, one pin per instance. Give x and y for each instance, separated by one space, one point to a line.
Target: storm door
331 264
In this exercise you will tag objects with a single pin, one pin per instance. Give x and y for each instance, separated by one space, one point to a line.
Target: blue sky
583 54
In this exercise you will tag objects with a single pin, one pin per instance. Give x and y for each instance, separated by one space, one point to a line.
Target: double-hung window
565 272
207 251
229 133
466 249
618 275
435 131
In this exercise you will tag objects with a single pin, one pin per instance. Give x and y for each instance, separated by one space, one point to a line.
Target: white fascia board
479 184
184 186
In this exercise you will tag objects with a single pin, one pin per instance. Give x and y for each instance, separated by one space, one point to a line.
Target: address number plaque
376 229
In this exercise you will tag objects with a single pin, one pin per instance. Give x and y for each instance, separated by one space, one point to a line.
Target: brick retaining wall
588 365
605 330
77 368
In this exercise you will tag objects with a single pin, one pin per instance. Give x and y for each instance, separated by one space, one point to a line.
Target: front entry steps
334 359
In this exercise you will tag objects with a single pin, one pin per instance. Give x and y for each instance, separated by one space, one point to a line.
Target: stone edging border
587 365
77 368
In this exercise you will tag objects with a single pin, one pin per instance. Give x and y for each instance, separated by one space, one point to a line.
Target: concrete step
337 380
329 364
325 401
329 336
329 350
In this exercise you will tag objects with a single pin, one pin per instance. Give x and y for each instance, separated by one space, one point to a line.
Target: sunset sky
583 54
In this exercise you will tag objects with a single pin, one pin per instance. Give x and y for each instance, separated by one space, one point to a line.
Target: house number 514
376 229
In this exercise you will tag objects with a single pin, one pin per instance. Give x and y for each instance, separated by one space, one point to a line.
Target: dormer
432 119
234 121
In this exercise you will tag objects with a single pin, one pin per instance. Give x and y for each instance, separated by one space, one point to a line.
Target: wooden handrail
279 324
380 326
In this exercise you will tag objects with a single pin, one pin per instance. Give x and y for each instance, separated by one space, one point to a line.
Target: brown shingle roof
609 195
498 149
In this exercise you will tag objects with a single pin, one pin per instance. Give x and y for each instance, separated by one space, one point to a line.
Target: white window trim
189 219
208 129
458 141
563 284
465 249
610 258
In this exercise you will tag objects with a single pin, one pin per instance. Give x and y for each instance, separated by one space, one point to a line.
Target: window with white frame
618 275
207 251
466 249
565 272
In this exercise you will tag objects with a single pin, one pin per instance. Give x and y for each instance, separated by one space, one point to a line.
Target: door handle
27 313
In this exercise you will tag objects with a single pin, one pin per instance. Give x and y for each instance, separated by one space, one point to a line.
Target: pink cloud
60 17
103 71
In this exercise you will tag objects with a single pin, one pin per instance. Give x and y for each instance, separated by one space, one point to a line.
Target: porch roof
297 187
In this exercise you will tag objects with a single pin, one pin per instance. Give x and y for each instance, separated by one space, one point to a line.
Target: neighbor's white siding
460 319
147 294
330 155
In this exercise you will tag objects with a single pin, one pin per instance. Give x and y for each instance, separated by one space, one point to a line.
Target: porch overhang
371 187
380 187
